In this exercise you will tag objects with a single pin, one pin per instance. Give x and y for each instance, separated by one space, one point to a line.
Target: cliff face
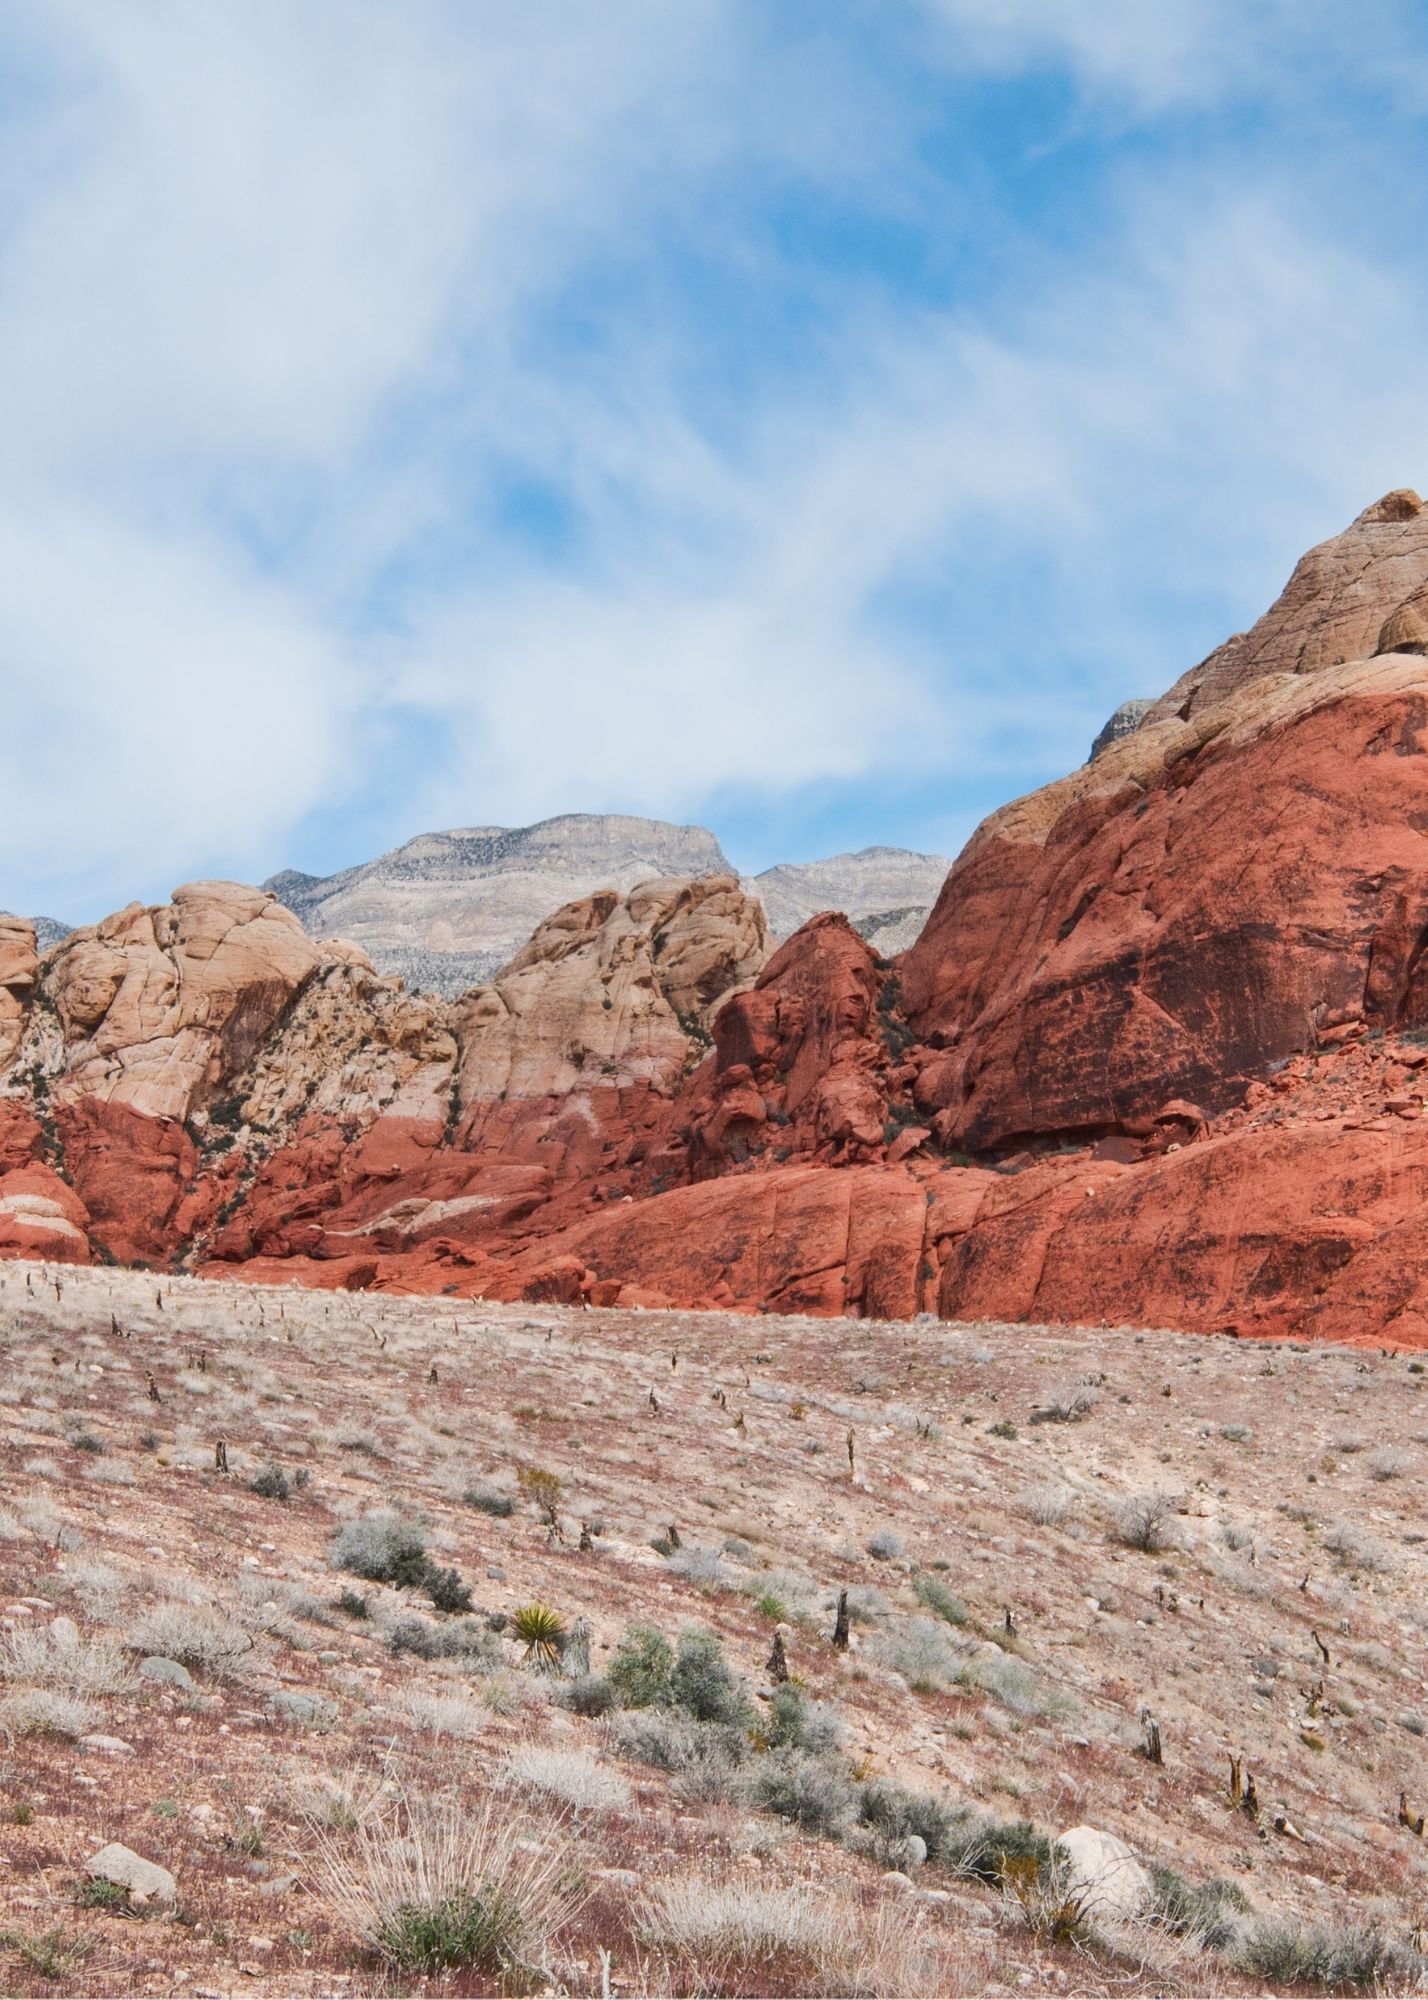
1158 1056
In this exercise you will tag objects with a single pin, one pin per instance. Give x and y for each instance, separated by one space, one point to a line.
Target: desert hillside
296 1588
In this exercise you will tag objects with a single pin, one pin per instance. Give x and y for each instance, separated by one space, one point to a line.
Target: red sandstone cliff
1155 1057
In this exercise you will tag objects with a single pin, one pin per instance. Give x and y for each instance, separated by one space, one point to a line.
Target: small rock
895 1879
171 1672
149 1885
618 1878
64 1632
111 1746
281 1885
294 1707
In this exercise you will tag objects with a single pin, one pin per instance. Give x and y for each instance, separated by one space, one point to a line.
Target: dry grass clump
1048 1505
38 1711
739 1937
195 1635
441 1714
59 1658
430 1885
567 1776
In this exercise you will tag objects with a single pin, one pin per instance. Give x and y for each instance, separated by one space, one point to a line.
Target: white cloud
275 296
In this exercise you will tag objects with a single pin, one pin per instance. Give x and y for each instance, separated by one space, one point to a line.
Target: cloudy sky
805 416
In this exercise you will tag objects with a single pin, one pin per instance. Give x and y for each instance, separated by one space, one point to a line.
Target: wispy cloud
426 415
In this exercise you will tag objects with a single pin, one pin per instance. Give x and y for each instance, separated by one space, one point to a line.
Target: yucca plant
542 1634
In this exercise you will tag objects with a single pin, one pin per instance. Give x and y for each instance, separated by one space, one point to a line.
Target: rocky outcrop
1332 609
1202 901
19 965
612 988
1160 1054
1123 721
447 910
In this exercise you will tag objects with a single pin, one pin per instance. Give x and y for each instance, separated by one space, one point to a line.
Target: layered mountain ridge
1158 1055
446 910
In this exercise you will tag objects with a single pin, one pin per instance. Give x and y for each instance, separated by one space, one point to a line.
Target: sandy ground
1278 1618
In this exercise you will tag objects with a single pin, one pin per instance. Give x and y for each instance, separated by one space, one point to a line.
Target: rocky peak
1333 608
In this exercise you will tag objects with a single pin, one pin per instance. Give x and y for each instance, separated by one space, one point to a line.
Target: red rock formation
1152 1060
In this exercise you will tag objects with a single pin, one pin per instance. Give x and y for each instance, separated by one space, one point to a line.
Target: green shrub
987 1848
815 1792
445 1589
270 1482
934 1596
706 1756
1205 1911
796 1723
480 1928
485 1501
591 1694
641 1668
704 1684
1327 1958
894 1814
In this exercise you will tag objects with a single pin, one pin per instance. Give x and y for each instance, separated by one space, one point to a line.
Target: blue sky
810 419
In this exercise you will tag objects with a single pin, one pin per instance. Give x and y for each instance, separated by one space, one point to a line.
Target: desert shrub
353 1603
1046 1505
705 1757
1388 1464
37 1711
1326 1958
796 1723
920 1650
270 1482
1066 1403
466 1641
739 1937
1015 1686
641 1668
567 1776
383 1548
894 1815
591 1695
441 1714
429 1886
698 1566
82 1666
1204 1911
703 1683
884 1545
1352 1547
445 1589
817 1793
988 1848
933 1594
194 1635
487 1501
541 1487
1146 1521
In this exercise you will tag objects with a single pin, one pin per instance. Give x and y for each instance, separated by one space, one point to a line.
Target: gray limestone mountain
885 892
447 910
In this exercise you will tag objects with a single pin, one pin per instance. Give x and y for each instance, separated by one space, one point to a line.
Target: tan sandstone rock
612 989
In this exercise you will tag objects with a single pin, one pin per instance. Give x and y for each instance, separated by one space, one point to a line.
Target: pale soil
1291 1520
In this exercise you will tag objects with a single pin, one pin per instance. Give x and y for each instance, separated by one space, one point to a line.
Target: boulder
150 1887
1102 1875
